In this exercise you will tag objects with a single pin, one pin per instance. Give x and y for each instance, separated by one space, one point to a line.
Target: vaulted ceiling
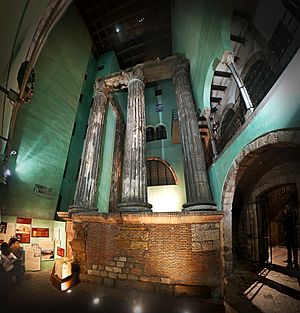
137 30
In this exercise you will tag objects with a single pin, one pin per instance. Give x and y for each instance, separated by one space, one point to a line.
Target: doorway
269 207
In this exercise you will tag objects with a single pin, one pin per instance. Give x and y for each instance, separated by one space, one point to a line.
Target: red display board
23 227
23 238
60 251
39 232
23 220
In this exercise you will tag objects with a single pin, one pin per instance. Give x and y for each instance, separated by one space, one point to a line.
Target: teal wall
164 198
201 31
279 110
68 185
110 63
44 126
105 170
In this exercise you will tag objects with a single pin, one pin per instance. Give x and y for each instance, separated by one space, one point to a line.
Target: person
17 250
8 260
290 234
15 247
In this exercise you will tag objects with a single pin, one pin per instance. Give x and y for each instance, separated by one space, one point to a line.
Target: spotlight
117 29
96 301
137 309
69 291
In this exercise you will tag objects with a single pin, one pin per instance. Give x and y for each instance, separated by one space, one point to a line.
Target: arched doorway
265 164
270 219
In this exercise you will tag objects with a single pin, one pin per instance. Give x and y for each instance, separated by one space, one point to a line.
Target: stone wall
173 253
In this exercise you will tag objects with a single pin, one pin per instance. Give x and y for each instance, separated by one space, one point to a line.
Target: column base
134 207
80 209
198 206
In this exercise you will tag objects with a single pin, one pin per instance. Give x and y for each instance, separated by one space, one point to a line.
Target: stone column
196 179
86 188
206 113
228 59
134 180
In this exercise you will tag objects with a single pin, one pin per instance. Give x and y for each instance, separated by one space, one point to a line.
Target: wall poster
39 232
23 229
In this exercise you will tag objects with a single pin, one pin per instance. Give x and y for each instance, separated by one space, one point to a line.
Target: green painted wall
164 198
279 110
201 31
44 126
69 182
109 63
105 170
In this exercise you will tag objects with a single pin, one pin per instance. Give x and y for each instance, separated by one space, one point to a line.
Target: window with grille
150 134
161 132
159 173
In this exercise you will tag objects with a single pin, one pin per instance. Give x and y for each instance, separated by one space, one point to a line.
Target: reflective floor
36 294
274 288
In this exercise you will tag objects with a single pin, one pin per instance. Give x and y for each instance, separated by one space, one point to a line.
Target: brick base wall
173 253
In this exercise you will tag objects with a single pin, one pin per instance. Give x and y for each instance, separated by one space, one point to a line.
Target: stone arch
208 82
235 172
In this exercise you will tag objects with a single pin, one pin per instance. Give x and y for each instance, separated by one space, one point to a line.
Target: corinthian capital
102 87
135 74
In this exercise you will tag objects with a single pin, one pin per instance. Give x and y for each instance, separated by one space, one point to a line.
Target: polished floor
250 289
36 294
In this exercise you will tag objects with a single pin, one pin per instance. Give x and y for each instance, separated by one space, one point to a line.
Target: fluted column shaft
196 180
86 188
134 180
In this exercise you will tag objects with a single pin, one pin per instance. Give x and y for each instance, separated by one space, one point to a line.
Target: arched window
161 132
150 133
159 172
